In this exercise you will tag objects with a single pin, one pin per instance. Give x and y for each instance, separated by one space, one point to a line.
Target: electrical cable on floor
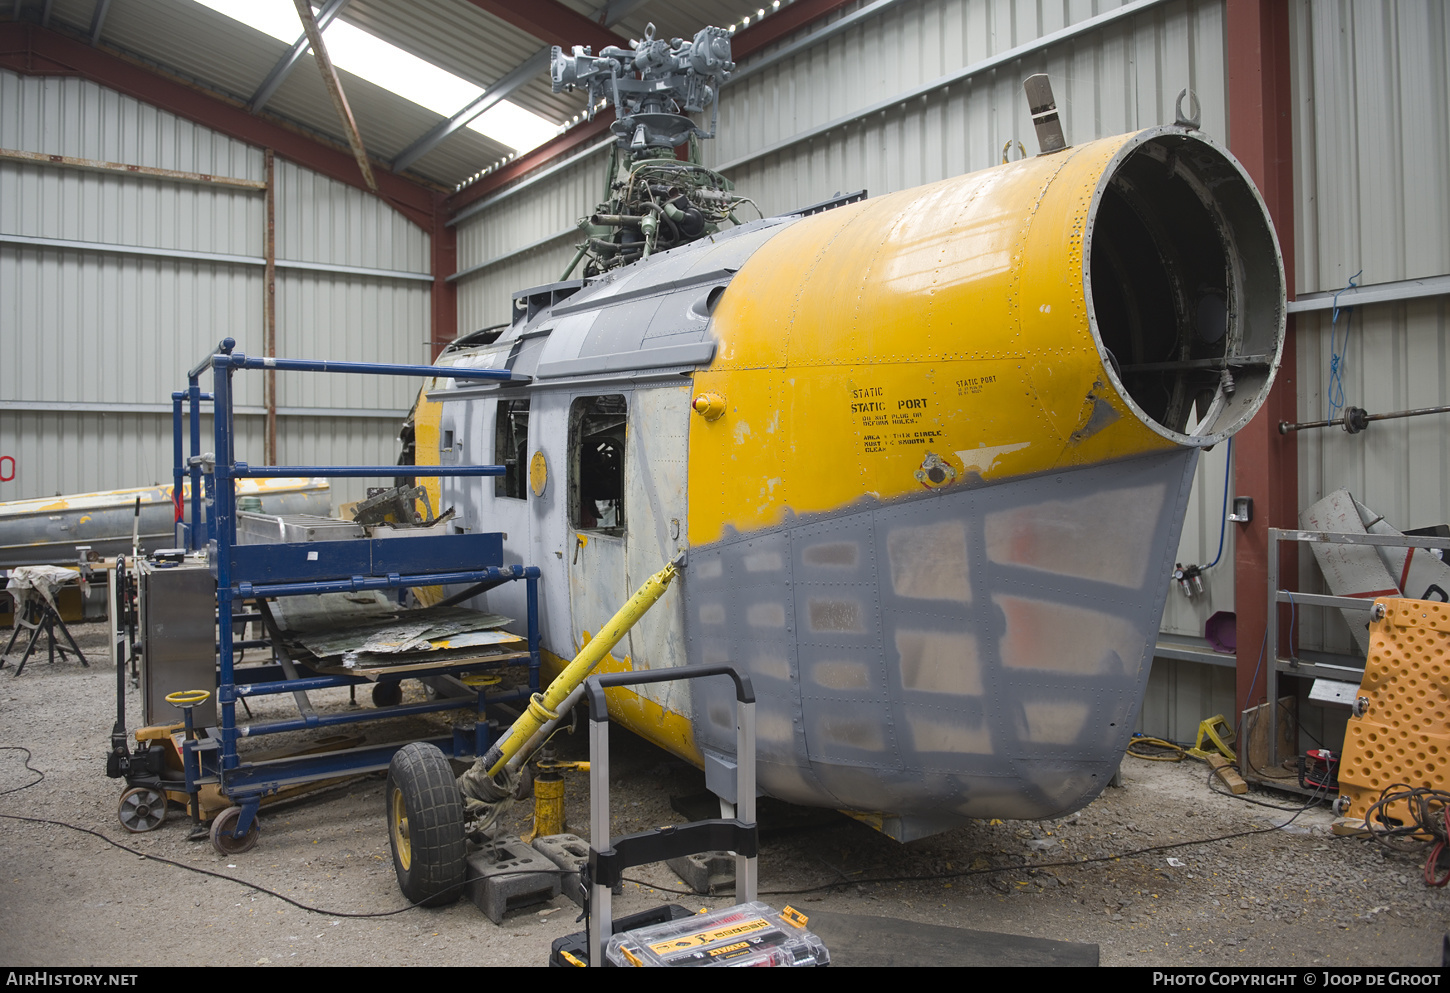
28 766
1250 722
1167 751
936 877
1429 827
1244 730
1319 795
250 885
965 873
209 872
662 889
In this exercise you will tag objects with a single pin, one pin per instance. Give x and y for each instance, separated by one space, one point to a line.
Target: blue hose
1223 515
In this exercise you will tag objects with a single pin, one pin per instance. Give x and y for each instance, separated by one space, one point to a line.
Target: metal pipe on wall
269 313
66 244
126 169
1356 419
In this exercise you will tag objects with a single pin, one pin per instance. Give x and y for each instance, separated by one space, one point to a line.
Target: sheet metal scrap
329 611
405 635
366 631
374 666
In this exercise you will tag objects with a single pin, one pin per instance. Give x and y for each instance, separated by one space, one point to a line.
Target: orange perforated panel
1402 736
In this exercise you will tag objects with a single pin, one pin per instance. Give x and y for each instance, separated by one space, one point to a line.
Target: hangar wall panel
353 318
484 299
95 327
94 340
494 237
1372 152
1120 77
1180 695
1373 140
62 452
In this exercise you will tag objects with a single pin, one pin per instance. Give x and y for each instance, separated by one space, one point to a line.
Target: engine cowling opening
1185 287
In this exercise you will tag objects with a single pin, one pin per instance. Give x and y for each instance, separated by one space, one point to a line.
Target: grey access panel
178 625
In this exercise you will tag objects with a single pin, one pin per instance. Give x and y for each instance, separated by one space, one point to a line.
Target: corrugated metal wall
1372 138
93 341
1123 75
1119 77
542 215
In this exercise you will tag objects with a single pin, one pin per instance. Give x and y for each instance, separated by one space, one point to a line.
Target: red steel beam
743 43
443 250
529 161
1266 462
552 23
32 50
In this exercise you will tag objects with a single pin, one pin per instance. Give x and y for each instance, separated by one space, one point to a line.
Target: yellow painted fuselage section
949 320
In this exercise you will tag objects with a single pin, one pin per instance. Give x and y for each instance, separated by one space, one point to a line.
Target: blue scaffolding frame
246 572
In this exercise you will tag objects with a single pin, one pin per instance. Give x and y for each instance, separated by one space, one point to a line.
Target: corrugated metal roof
194 42
473 45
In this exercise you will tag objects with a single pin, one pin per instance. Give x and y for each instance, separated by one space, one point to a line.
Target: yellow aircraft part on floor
907 342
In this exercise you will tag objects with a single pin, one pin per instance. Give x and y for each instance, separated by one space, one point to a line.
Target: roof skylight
386 65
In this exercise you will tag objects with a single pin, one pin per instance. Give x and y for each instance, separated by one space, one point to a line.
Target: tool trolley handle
606 861
596 685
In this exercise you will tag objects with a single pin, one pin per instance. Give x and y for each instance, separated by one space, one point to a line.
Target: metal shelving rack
1317 665
253 572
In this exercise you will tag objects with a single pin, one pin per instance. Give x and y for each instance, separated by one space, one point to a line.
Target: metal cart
257 573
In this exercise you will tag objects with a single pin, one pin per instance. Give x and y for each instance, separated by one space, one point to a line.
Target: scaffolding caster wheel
222 838
141 809
388 694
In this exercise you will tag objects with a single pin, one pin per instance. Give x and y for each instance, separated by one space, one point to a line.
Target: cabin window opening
596 460
510 449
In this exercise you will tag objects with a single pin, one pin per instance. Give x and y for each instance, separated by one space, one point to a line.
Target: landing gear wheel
425 825
388 694
221 833
141 809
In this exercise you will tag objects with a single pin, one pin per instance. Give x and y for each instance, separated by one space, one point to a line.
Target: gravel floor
1292 896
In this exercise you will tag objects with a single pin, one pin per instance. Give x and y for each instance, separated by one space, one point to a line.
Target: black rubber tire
388 693
424 812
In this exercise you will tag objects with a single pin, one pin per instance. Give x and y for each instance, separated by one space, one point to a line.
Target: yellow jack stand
549 795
